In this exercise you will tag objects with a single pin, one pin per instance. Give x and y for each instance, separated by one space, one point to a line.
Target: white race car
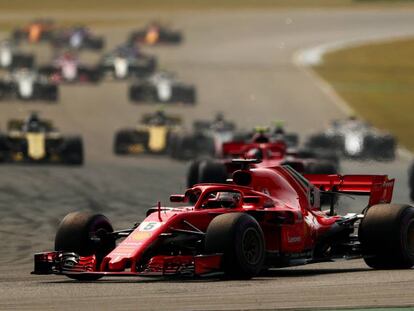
11 58
162 87
356 139
26 84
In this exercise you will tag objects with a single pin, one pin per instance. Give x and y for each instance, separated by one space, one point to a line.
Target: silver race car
162 87
27 84
126 61
355 139
11 58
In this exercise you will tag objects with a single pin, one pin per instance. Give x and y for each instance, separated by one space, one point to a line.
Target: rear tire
387 236
73 235
192 175
240 239
73 153
212 172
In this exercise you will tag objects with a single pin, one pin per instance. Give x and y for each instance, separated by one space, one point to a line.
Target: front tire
73 235
240 239
387 236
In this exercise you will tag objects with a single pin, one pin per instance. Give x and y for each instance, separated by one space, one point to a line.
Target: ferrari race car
152 135
355 139
78 37
36 31
270 153
156 34
26 84
265 218
11 58
162 87
126 61
36 141
206 138
67 68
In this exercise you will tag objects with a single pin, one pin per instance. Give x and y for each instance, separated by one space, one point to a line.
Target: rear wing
238 149
378 187
233 148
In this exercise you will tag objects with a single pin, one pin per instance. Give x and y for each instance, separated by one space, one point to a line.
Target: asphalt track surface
241 63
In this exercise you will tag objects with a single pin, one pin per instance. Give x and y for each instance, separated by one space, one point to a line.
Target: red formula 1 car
270 152
267 217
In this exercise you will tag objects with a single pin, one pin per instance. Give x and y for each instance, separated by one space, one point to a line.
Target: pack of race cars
256 199
124 62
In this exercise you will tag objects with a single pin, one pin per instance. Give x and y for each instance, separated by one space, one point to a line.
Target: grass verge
377 80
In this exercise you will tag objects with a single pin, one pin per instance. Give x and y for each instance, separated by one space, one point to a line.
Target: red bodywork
285 204
271 154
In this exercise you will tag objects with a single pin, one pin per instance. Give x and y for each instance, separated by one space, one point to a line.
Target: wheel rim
251 246
410 238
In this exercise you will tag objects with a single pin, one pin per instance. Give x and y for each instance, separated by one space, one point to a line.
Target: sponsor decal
141 235
294 239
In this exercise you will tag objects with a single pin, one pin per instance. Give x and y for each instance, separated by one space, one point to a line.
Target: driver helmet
32 123
254 153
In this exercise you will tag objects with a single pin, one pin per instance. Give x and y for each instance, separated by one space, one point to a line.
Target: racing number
149 226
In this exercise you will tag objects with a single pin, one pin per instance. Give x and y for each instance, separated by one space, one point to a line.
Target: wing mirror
177 198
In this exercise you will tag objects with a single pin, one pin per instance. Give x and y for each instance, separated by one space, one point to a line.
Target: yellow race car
151 135
35 140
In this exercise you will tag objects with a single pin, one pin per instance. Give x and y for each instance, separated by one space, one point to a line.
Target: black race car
162 87
156 33
36 141
205 139
126 61
78 37
152 135
11 58
355 139
26 84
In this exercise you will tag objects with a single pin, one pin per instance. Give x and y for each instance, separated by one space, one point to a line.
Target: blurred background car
26 84
36 31
127 61
11 58
35 140
78 37
162 87
355 139
156 33
151 135
66 67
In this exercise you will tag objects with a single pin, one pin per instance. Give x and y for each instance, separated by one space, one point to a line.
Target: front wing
70 264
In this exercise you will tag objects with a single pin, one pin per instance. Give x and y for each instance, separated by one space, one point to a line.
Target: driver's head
279 130
160 114
32 122
228 199
255 153
219 117
260 138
